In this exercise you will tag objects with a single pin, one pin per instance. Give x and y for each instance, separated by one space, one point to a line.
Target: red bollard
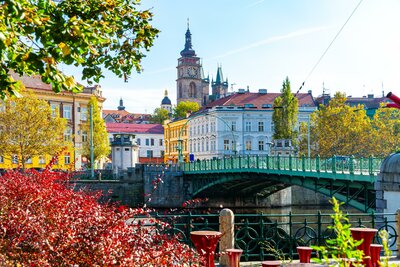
271 263
375 251
234 257
304 254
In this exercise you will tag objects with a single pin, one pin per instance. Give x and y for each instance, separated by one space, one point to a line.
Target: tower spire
188 50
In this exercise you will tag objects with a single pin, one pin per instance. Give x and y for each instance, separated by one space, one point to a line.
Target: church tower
219 86
166 103
191 84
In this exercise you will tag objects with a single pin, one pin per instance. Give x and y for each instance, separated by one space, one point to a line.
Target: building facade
176 140
240 124
71 106
148 137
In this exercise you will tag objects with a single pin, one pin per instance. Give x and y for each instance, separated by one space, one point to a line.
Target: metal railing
336 164
284 232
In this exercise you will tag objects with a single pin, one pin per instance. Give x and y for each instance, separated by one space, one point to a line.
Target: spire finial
166 92
188 23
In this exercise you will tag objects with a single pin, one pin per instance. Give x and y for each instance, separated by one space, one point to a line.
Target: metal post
91 143
308 138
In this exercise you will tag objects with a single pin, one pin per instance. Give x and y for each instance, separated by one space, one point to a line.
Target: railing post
352 164
267 162
231 162
290 162
248 161
318 163
240 162
227 241
257 161
278 162
334 164
303 163
370 169
319 227
224 162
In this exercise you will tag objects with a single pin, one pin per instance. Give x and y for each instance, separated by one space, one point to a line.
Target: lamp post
308 137
180 141
229 127
91 143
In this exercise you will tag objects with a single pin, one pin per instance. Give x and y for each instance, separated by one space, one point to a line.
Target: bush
43 222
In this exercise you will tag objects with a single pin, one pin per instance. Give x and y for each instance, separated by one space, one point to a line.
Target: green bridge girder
350 181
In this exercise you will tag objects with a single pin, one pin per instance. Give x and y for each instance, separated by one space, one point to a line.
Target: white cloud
271 40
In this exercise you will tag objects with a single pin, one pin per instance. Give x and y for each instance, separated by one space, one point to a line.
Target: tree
38 35
28 128
185 107
159 116
101 143
44 222
385 133
338 129
285 112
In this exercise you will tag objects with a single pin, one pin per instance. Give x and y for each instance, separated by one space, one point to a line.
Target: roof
134 128
259 100
166 101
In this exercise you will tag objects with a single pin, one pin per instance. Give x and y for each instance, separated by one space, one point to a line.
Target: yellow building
70 106
173 132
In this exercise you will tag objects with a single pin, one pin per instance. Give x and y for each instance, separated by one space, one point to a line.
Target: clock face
192 72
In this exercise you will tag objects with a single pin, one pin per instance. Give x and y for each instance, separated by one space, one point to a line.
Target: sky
259 43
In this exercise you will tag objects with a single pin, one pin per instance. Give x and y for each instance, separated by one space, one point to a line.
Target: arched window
180 93
192 90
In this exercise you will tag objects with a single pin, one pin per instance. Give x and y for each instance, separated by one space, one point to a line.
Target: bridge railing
336 164
284 232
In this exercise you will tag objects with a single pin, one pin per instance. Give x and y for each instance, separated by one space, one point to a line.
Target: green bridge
351 180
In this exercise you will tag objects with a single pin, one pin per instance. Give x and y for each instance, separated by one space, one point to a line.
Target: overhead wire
329 46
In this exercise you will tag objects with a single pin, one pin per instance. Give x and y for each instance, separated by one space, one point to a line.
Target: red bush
43 222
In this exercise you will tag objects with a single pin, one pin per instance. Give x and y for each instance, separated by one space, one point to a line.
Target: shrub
44 222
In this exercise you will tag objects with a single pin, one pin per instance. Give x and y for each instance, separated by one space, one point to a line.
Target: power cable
329 46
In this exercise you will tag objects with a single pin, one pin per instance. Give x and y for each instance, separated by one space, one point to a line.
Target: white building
240 124
148 137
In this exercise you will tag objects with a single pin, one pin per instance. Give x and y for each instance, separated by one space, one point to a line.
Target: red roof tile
258 100
113 127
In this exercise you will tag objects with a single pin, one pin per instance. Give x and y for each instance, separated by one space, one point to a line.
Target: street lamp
229 127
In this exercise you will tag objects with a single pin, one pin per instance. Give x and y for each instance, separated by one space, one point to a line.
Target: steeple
121 105
188 50
219 79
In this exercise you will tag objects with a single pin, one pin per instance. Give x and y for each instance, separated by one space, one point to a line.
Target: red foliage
43 222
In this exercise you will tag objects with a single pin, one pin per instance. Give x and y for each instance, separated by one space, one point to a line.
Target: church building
191 83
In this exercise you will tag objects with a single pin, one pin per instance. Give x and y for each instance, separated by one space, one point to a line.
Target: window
138 141
233 126
67 159
14 159
272 127
152 142
149 153
84 113
28 161
207 146
42 160
67 112
162 153
54 110
226 144
1 159
261 126
126 148
160 142
248 145
202 129
147 142
261 145
248 126
202 145
84 137
67 134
